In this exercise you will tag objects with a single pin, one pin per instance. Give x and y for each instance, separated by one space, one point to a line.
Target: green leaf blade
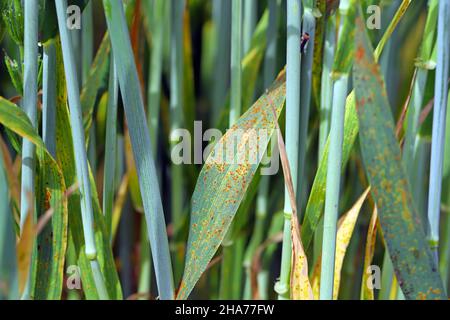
221 188
401 225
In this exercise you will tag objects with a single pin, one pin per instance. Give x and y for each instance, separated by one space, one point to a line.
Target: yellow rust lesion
47 199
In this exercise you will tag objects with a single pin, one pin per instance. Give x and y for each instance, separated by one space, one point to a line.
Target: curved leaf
222 184
366 292
53 240
346 225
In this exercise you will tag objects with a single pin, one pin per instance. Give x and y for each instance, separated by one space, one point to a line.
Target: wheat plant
216 149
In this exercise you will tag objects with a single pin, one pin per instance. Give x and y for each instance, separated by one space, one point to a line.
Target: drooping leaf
8 263
25 251
12 15
346 225
141 146
401 225
366 290
15 73
222 184
17 121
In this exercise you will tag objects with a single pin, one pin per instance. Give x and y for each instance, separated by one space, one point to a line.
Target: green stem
308 27
154 87
326 93
250 13
176 104
30 88
334 168
293 68
439 124
229 245
340 89
79 148
222 17
109 183
263 189
236 66
87 40
30 91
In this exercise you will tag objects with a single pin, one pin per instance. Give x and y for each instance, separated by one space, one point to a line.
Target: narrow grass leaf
52 196
8 261
413 264
25 251
222 184
366 290
141 145
96 79
66 159
300 286
316 201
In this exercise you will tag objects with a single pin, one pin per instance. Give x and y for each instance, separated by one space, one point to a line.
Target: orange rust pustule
48 197
360 52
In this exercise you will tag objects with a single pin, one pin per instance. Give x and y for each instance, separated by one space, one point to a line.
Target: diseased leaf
402 230
346 225
222 184
66 159
300 286
316 201
25 251
17 121
8 260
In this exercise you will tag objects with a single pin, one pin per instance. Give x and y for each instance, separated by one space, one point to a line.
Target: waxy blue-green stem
109 182
236 57
340 90
308 30
176 104
250 15
439 124
293 66
262 199
332 189
326 98
222 19
86 39
231 247
30 91
81 162
326 92
30 88
158 15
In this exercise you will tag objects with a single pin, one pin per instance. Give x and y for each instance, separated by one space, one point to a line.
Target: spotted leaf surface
223 182
402 228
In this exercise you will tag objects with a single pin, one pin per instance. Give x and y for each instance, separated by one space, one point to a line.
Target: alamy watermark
237 146
373 20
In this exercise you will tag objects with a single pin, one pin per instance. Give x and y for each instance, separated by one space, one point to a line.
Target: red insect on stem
304 42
